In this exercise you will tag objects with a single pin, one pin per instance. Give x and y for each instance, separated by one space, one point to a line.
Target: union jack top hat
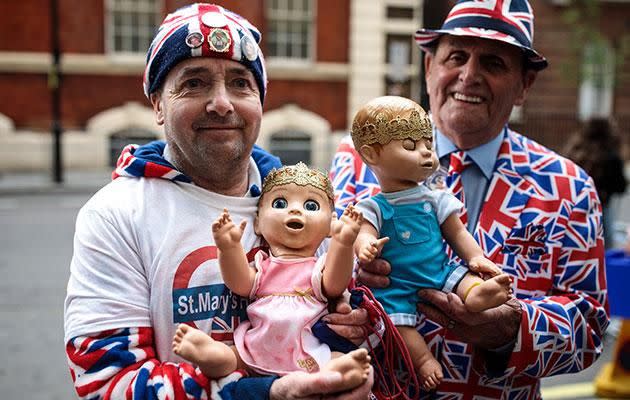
509 21
203 30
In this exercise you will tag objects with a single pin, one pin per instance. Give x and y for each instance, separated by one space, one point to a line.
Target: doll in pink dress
289 286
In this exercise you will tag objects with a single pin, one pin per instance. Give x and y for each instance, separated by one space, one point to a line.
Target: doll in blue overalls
407 222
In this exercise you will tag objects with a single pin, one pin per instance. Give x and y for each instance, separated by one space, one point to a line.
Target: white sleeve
445 204
108 287
371 212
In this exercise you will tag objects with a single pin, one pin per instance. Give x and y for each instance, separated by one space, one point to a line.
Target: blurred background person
595 147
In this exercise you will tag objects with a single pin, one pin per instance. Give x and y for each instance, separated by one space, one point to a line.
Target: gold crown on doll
301 175
384 130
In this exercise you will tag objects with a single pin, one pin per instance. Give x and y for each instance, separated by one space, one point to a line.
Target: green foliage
588 45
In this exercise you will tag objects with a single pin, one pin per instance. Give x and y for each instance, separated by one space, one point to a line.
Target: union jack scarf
148 161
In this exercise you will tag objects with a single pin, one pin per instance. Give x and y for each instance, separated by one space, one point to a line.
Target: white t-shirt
144 255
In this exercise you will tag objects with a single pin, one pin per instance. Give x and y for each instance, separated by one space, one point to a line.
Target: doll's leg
214 359
479 295
354 368
427 367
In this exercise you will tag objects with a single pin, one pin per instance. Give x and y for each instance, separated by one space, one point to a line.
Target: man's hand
346 322
374 274
319 385
489 329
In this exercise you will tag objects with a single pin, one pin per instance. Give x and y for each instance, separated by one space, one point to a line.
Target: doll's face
402 164
294 220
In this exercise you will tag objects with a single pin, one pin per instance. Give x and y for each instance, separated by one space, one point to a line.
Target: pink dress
288 300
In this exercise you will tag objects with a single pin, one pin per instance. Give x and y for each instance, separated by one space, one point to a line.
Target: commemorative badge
249 48
219 40
194 40
214 20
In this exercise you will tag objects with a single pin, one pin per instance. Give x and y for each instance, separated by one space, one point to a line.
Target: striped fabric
509 21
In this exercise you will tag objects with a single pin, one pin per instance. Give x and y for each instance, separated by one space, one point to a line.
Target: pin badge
219 40
214 20
249 48
427 207
194 40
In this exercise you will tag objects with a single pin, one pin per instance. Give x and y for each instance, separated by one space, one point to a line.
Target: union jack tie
458 163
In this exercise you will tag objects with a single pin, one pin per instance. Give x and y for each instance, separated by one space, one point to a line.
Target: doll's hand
346 229
225 232
483 267
369 251
489 329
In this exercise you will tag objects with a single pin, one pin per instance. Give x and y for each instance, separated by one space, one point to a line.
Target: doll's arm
465 246
339 259
235 269
368 246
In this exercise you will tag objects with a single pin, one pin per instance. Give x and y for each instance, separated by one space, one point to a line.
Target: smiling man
535 214
144 257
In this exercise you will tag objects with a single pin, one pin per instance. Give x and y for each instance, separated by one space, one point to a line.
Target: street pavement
35 250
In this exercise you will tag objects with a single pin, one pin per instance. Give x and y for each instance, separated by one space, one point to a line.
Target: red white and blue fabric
541 223
148 161
122 363
459 161
352 179
509 21
169 44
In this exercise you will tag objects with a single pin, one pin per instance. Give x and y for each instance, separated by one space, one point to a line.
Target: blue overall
415 252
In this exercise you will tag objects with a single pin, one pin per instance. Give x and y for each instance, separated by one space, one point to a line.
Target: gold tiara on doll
382 131
301 175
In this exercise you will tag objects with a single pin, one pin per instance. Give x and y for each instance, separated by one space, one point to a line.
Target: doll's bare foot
354 368
214 359
429 372
488 294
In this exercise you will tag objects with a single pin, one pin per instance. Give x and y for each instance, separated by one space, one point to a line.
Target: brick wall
328 99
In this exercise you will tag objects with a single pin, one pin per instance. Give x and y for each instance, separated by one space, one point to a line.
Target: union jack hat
509 21
203 30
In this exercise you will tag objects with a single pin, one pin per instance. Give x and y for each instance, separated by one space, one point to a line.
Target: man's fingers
374 274
378 266
433 314
372 280
358 316
354 333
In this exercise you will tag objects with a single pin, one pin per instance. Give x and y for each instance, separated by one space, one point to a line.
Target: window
131 24
291 146
291 25
394 12
598 74
398 58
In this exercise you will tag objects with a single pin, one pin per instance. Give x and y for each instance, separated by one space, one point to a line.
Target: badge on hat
194 39
214 20
219 40
249 48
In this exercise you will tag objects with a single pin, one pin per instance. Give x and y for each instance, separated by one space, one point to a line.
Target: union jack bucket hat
509 21
203 30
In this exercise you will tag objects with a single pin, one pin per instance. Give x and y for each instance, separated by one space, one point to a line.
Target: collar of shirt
484 156
254 179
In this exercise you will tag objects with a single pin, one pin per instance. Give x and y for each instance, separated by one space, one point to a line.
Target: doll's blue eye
279 203
311 205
